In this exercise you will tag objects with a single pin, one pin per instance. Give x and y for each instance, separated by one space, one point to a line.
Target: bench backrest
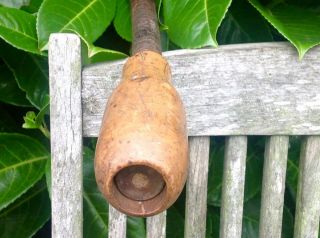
235 91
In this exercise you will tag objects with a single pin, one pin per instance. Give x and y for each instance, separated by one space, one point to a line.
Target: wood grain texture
308 195
117 223
273 185
66 135
156 226
247 89
196 198
233 187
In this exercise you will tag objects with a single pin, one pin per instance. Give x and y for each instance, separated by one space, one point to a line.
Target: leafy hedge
105 29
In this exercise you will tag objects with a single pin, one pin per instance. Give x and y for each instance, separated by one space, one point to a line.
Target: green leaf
14 3
89 18
9 91
213 222
18 28
293 166
98 54
22 164
175 223
33 121
122 20
243 24
193 24
93 54
27 215
136 227
31 73
95 207
301 26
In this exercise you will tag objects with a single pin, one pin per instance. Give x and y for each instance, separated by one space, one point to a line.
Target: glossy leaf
95 207
243 24
136 227
9 91
31 73
22 164
93 54
122 20
18 28
89 18
301 26
27 215
98 54
193 24
175 223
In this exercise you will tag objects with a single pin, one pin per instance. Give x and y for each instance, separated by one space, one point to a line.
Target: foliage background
105 29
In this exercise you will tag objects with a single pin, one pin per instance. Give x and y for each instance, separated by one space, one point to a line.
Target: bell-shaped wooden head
141 157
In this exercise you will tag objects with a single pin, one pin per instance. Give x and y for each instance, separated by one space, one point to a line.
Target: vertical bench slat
274 176
156 226
233 186
66 135
308 194
196 199
117 223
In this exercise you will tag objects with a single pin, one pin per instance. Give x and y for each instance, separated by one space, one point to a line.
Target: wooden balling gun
141 157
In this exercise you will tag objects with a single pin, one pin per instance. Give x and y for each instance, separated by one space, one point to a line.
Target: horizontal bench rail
247 89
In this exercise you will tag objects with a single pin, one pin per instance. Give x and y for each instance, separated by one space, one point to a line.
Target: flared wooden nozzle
141 157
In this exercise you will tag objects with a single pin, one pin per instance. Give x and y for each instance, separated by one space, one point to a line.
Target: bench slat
233 187
308 195
246 89
196 198
117 223
274 176
156 226
66 135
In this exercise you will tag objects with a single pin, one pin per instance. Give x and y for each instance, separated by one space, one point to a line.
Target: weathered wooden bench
235 91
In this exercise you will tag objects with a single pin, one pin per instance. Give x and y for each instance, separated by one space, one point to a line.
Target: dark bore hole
139 182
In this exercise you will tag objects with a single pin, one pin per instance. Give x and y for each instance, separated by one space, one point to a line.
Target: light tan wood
274 177
143 140
196 200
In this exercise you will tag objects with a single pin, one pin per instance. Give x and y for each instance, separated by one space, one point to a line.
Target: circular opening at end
139 182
